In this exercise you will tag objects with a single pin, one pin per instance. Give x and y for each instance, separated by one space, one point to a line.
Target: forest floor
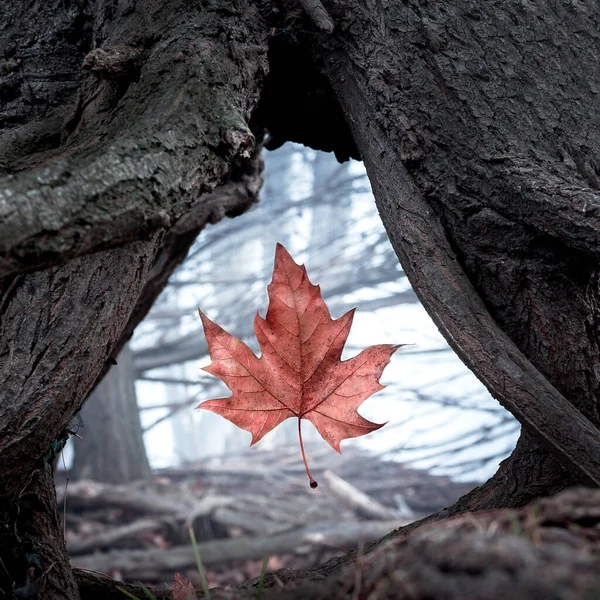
549 550
243 509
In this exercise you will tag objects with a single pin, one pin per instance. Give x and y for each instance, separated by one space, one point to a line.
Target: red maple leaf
300 373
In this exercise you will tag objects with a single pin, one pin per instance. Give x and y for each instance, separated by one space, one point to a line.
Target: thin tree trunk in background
330 217
112 446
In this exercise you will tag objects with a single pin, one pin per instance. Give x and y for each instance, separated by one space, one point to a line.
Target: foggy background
439 416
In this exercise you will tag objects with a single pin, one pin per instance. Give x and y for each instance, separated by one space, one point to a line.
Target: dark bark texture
126 126
544 551
148 124
33 547
90 157
57 329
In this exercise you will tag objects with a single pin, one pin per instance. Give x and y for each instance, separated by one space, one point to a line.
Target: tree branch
100 190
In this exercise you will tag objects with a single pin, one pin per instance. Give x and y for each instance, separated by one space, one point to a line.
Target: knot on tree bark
318 14
118 62
237 141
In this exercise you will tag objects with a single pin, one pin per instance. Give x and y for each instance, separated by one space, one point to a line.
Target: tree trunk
112 446
487 186
114 140
57 330
34 553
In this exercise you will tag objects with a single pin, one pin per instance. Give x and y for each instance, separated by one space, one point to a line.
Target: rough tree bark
79 149
478 124
48 367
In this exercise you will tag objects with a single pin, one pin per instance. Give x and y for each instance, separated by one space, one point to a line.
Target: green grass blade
128 594
261 581
199 564
148 593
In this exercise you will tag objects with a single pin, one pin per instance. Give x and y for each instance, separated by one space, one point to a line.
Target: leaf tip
203 318
280 251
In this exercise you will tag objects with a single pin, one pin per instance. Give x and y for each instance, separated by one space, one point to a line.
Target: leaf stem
313 483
